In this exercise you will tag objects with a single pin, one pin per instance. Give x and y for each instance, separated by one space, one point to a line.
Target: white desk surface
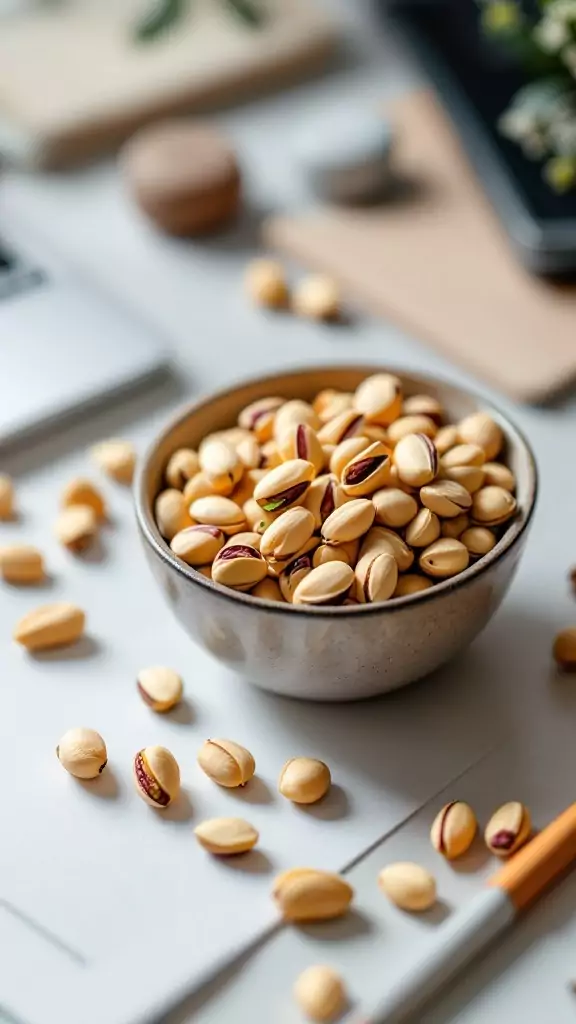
503 693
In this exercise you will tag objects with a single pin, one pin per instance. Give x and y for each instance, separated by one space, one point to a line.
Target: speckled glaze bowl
331 653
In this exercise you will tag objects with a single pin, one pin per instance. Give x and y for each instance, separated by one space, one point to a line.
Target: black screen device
476 79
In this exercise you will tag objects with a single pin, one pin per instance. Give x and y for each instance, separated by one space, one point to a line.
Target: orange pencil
509 892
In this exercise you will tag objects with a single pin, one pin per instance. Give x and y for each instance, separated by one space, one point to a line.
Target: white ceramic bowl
331 653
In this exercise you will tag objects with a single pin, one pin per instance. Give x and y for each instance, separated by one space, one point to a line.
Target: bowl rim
154 539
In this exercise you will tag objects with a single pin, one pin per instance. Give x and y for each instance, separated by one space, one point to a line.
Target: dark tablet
476 80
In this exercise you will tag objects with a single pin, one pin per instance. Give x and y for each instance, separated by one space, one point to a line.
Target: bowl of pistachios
337 532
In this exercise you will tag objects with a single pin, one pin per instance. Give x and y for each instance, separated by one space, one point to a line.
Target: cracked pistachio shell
21 563
268 589
320 993
328 584
76 527
251 538
227 763
463 455
394 507
292 413
222 465
239 566
301 442
259 417
160 687
376 577
199 486
367 471
508 829
444 558
408 885
349 521
423 530
493 505
285 485
564 649
379 398
340 553
453 829
293 574
330 403
156 776
479 540
345 451
423 405
6 497
500 475
304 780
455 527
306 894
82 752
256 518
322 497
171 511
469 477
342 427
226 837
182 466
288 534
379 538
446 438
446 498
482 430
197 545
84 492
416 460
411 583
406 425
50 625
216 510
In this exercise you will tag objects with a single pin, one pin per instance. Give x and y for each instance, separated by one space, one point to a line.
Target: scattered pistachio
116 458
304 780
265 284
508 829
159 687
408 885
226 836
82 752
564 650
50 625
156 776
306 894
83 492
454 829
77 527
21 563
317 297
6 498
320 994
227 763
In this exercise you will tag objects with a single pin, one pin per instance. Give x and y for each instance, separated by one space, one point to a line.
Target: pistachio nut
294 412
446 498
216 510
394 508
320 993
171 511
221 463
21 563
380 538
446 438
409 886
226 837
479 540
481 429
239 566
199 486
83 492
411 583
348 522
345 451
304 780
423 405
500 475
347 424
416 460
453 829
379 398
564 650
469 477
204 570
270 455
6 498
301 442
259 417
82 752
306 894
322 497
423 530
160 687
287 534
493 505
249 452
411 425
156 776
336 553
226 762
198 545
367 471
317 297
50 625
330 403
376 577
328 450
456 527
508 829
293 574
265 283
182 466
445 557
117 458
232 435
268 590
250 537
284 486
463 455
77 527
328 584
245 489
375 433
256 518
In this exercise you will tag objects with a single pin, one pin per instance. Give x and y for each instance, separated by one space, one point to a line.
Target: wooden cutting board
439 263
74 82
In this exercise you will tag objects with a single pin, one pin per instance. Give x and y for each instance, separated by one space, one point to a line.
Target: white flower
562 10
551 35
517 124
569 58
563 137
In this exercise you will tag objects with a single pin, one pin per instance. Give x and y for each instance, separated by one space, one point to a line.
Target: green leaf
160 16
246 11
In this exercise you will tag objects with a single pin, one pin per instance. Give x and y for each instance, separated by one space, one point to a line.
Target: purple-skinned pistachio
157 776
239 566
285 485
367 471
